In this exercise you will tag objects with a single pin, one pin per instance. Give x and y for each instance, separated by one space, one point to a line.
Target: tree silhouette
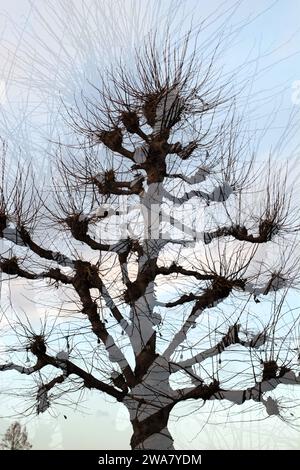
152 232
15 438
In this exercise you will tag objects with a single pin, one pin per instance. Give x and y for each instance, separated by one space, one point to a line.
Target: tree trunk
152 432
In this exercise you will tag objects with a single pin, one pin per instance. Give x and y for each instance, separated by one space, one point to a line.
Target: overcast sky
40 48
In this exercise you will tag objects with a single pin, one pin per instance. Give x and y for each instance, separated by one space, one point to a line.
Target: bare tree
15 438
153 232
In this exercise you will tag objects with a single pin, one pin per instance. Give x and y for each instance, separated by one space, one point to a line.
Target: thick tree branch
198 177
219 290
201 391
231 337
11 267
267 230
43 360
175 269
79 226
107 184
87 277
89 380
184 152
43 402
219 194
238 397
21 369
21 237
38 348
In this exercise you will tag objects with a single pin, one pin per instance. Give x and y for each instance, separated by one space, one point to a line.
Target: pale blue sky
269 44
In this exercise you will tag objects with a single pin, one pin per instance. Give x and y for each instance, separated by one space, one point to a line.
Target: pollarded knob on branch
38 345
112 139
130 121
